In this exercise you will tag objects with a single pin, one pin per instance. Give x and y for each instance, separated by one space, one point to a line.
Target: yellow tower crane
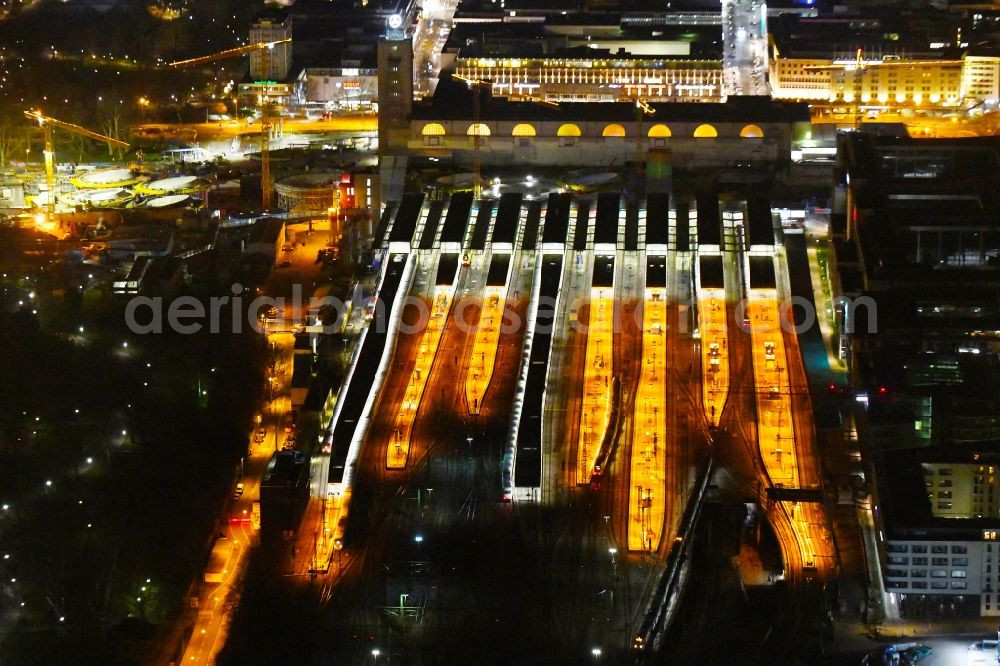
475 85
642 109
857 67
264 105
47 124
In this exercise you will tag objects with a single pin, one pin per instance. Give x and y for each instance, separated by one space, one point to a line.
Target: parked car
916 653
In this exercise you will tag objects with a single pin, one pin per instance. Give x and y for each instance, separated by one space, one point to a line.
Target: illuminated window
659 131
478 129
751 132
433 129
569 129
523 129
613 129
705 131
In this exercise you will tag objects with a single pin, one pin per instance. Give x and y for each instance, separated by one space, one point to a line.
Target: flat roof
508 215
606 223
531 222
286 469
657 218
405 225
457 218
267 230
453 100
902 494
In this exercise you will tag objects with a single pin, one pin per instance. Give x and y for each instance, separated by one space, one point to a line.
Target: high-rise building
395 92
981 78
274 63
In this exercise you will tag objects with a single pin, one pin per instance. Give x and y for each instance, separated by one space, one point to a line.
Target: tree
114 123
13 133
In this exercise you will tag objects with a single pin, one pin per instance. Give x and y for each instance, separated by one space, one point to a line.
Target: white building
271 64
336 88
940 557
981 78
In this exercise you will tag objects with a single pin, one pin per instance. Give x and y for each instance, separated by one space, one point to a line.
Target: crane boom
229 53
265 125
541 101
76 129
475 84
47 123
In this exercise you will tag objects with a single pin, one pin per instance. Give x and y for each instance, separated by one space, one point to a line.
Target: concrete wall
594 149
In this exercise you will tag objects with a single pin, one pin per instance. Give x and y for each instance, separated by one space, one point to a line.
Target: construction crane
475 85
858 66
47 124
642 109
521 97
264 106
263 47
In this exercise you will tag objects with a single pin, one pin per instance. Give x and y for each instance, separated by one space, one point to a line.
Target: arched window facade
433 129
523 129
752 132
705 131
569 129
614 129
659 131
478 129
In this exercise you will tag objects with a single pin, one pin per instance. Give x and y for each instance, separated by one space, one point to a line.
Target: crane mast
475 85
47 124
263 105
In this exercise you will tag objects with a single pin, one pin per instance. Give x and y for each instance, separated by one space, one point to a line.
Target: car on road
238 493
916 653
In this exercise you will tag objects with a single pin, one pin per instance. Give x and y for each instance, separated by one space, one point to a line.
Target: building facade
271 64
582 134
598 80
322 89
962 490
395 90
888 82
981 79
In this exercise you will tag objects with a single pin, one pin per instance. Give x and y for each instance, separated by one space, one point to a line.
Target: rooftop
902 495
285 468
266 230
453 100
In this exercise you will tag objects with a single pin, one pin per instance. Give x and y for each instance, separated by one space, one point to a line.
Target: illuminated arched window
433 129
478 129
705 131
614 129
569 129
523 129
659 131
752 132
